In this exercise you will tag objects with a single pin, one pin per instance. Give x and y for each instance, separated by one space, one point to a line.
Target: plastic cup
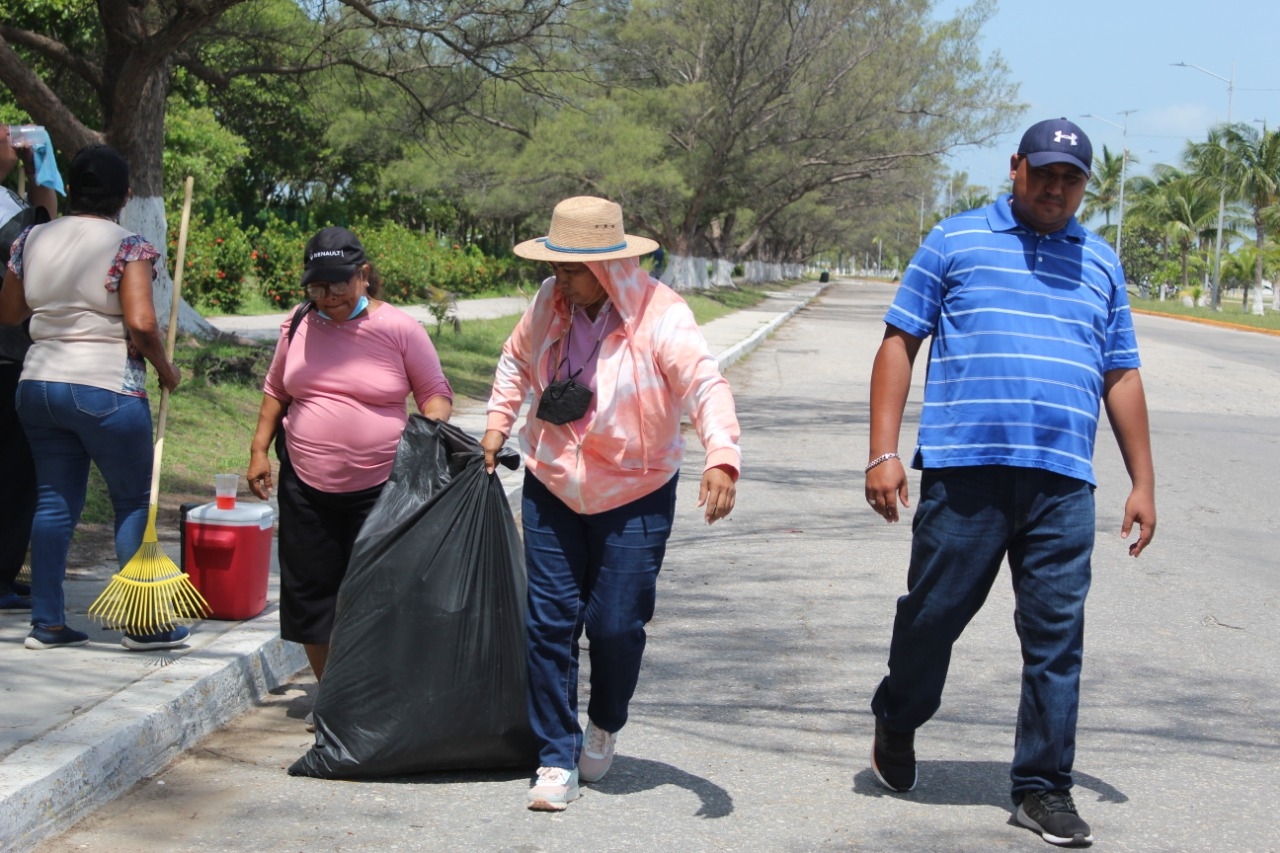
23 134
225 489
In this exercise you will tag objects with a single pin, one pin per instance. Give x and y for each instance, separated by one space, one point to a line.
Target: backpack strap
19 222
282 452
297 317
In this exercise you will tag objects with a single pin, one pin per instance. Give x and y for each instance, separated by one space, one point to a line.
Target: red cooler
227 553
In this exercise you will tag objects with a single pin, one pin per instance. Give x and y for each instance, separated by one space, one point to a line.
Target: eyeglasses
332 288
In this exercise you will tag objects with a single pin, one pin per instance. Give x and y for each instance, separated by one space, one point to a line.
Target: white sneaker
555 789
597 753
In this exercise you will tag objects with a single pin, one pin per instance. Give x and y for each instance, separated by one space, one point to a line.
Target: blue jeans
598 572
967 521
68 426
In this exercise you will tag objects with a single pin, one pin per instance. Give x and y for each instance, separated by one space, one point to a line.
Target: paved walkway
81 726
267 326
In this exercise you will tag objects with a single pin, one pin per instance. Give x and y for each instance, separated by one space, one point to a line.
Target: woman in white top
85 282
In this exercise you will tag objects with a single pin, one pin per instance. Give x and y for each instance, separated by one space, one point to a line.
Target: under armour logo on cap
1057 140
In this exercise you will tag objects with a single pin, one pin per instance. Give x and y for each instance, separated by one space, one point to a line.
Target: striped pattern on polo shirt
1024 328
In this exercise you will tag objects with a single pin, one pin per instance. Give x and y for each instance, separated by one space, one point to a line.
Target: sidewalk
267 326
81 726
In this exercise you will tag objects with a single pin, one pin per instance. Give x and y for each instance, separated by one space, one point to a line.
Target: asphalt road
751 730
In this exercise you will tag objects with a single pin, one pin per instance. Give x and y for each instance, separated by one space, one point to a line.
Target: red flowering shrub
217 262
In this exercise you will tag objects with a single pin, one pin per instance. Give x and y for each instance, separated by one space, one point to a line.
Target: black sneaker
55 638
13 601
893 758
169 639
1053 815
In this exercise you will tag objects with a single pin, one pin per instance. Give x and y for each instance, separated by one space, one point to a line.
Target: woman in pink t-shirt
344 365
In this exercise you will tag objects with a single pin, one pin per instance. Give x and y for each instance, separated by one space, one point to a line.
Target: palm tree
1271 255
972 199
1180 208
1103 193
1237 267
1246 163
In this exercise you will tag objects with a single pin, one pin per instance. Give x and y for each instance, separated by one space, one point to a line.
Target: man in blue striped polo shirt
1031 330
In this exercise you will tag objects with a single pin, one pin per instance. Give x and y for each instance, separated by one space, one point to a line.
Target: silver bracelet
881 459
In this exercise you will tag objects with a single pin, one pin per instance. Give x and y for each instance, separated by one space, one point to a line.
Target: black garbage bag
426 664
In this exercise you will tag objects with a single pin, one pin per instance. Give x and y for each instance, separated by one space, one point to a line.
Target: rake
150 593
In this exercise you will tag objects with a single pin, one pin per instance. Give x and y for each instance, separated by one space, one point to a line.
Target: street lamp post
1124 165
1216 296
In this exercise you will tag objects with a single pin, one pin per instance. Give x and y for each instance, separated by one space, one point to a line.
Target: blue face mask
362 304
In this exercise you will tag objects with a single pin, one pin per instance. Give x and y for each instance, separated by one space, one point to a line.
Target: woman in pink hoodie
612 358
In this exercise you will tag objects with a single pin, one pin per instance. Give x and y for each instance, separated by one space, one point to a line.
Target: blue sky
1105 56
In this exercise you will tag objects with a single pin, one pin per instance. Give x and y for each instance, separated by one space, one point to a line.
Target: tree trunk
136 129
145 216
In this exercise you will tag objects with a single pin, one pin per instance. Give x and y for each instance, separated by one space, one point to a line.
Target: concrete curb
1239 327
51 783
48 785
742 348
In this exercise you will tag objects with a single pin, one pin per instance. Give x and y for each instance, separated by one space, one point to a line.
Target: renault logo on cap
1058 136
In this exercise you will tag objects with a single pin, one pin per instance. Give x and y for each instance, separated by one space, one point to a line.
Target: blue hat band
553 247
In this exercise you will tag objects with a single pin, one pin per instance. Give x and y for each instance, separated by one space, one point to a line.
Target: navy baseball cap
333 254
1057 140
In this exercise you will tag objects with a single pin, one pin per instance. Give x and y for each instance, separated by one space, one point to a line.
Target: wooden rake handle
171 338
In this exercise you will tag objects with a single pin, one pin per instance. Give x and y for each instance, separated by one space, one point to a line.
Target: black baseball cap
1057 140
333 254
98 171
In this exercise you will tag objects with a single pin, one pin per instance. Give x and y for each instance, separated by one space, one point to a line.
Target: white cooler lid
246 514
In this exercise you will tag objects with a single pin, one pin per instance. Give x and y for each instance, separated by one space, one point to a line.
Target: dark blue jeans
967 521
68 426
598 572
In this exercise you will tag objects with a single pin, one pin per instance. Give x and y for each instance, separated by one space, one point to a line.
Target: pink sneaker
554 790
597 753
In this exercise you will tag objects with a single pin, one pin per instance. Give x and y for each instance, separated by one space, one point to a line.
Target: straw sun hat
585 228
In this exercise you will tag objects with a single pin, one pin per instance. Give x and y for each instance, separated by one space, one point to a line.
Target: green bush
401 257
468 272
413 265
218 261
224 258
277 261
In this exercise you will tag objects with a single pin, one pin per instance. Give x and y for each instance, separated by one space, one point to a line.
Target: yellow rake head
149 594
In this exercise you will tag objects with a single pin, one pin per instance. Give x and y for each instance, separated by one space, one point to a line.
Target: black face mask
564 401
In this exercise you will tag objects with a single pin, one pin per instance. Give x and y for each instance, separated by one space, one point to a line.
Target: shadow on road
973 783
633 775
